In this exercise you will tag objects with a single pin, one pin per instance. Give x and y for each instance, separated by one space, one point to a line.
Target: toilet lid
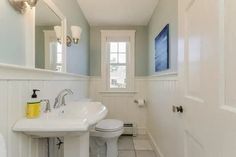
109 125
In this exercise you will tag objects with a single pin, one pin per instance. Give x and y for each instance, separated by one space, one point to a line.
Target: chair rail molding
14 72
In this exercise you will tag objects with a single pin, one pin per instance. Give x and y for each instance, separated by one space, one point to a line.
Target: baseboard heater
130 129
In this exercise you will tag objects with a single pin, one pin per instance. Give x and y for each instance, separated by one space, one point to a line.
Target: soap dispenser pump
33 106
34 95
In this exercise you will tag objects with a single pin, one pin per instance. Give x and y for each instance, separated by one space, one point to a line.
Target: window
59 57
55 57
118 60
118 64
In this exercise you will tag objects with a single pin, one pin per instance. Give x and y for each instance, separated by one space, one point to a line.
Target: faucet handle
56 103
48 106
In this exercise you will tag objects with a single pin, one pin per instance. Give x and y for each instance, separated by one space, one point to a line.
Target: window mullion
118 57
118 64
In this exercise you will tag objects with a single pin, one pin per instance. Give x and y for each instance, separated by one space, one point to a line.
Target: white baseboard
154 144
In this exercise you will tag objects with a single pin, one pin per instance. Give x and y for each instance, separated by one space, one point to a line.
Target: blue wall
12 35
77 55
165 13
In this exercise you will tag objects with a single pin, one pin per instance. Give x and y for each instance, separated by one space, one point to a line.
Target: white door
207 75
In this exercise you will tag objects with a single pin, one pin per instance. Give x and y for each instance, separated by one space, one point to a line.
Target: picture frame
162 50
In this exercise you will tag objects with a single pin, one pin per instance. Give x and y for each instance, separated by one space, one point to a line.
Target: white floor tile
142 144
126 153
145 154
141 137
125 143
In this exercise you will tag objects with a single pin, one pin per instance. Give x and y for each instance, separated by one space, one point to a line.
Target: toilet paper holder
140 101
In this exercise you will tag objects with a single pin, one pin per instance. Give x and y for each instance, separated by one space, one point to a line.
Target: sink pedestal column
76 146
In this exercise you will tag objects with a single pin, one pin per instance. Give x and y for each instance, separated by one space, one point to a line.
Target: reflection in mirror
48 51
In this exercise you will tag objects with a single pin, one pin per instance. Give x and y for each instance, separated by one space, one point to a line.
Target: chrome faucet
60 99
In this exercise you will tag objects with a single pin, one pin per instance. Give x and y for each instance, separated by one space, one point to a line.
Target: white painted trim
64 45
165 74
118 32
154 144
14 72
222 98
118 92
30 37
136 78
143 78
131 56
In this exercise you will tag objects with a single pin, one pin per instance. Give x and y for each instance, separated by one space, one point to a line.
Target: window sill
118 92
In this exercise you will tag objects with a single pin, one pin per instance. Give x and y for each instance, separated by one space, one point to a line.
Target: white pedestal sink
71 122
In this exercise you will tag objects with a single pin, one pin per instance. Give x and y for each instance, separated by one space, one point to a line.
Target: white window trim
104 59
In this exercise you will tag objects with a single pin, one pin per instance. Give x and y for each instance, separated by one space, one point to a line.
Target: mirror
49 51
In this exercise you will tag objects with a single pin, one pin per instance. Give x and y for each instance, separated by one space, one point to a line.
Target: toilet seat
108 128
109 125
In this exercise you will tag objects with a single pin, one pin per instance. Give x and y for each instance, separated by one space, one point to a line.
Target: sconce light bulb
75 40
76 33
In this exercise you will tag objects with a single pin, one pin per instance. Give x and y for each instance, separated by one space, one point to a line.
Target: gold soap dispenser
33 108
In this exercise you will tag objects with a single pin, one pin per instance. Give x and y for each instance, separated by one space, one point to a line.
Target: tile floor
139 146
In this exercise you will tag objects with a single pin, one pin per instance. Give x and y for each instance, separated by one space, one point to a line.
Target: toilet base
103 147
112 148
104 137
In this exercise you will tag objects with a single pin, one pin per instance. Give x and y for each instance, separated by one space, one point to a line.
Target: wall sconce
57 30
76 33
21 5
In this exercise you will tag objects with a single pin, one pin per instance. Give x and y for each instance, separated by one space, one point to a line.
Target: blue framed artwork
162 50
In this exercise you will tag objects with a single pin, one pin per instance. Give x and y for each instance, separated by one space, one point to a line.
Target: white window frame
105 61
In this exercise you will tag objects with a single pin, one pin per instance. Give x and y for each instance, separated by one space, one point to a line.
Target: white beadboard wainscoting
156 118
16 86
121 105
165 128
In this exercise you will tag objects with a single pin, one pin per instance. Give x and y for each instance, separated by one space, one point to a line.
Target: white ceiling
118 12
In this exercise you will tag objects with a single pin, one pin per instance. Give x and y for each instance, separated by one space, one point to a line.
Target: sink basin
93 111
73 119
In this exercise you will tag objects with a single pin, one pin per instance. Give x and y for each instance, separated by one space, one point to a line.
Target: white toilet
104 137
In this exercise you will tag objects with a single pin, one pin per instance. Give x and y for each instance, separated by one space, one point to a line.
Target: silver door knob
178 109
